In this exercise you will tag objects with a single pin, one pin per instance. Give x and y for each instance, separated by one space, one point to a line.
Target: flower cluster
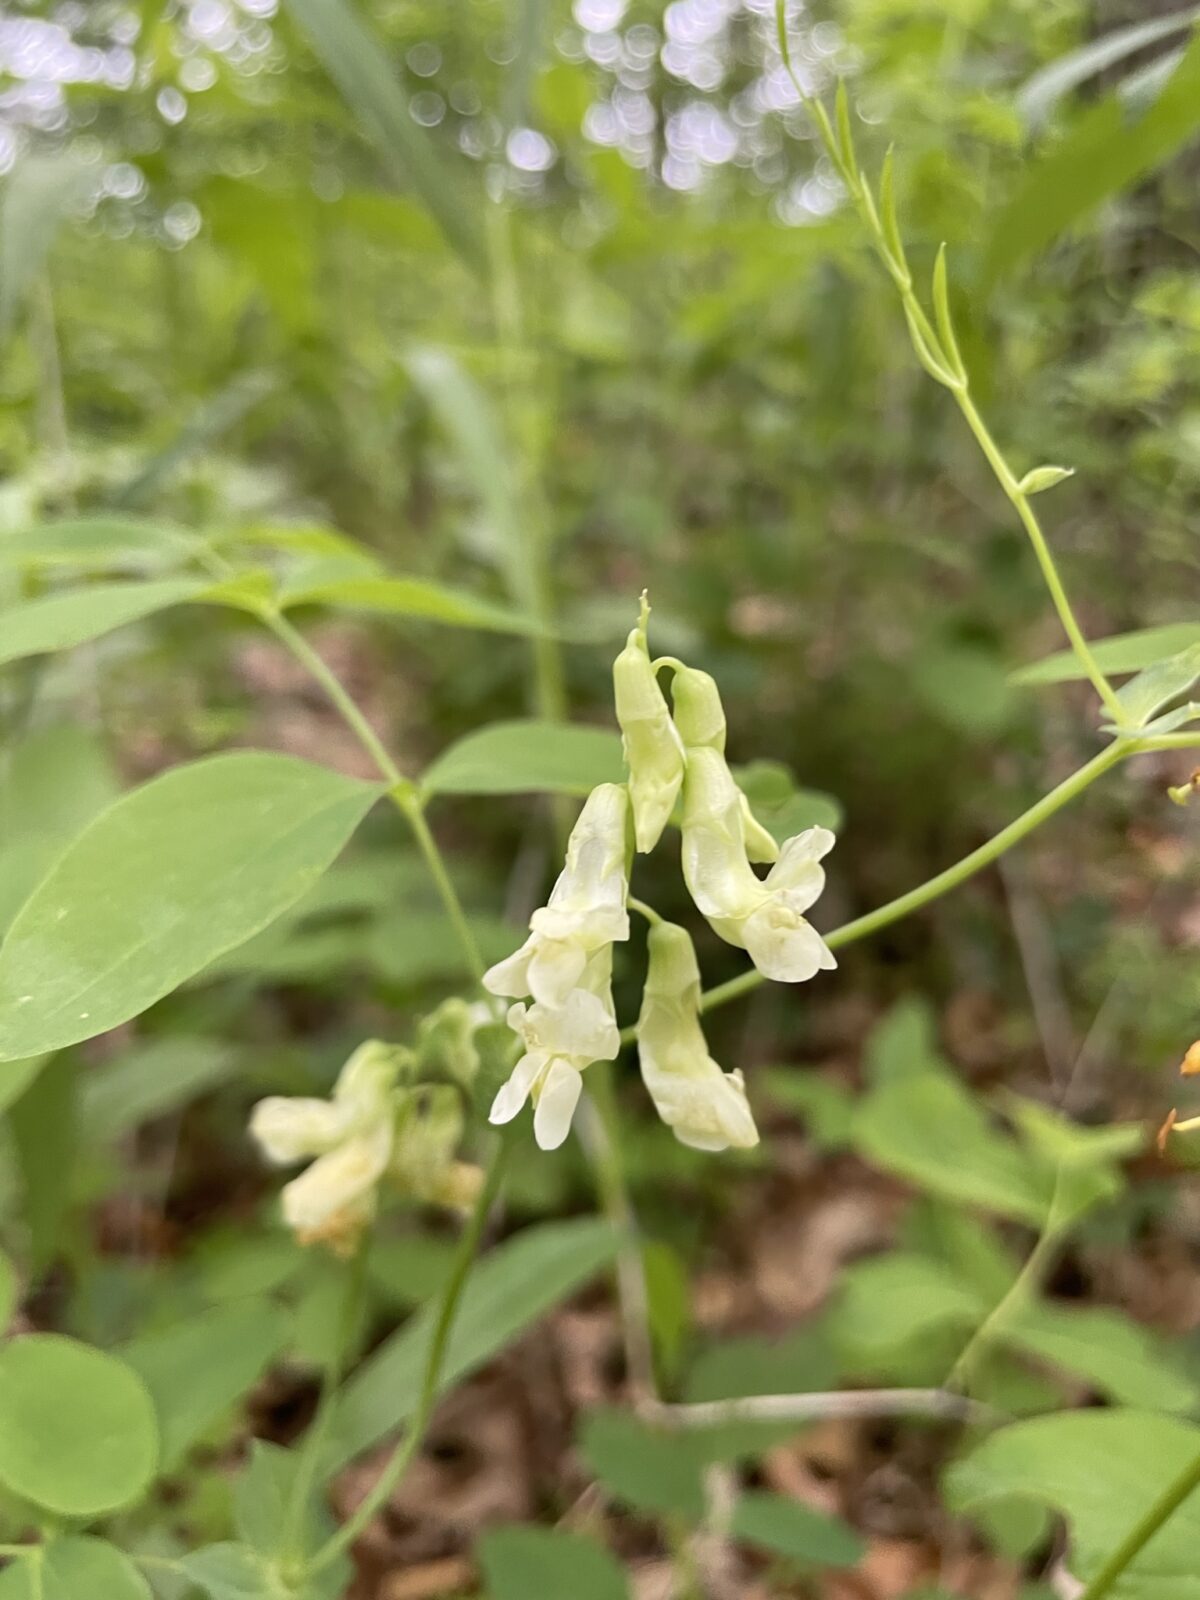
564 968
382 1124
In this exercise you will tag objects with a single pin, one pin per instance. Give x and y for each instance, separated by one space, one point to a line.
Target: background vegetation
539 307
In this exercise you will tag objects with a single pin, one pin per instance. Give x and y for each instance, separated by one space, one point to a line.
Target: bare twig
840 1403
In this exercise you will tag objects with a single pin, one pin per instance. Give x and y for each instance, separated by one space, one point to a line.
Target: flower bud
653 751
705 1107
699 714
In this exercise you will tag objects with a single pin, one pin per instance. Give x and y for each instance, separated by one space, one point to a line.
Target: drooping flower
700 720
762 916
653 748
705 1107
585 913
351 1137
560 1041
370 1132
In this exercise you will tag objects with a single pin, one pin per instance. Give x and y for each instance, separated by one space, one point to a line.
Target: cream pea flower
700 720
351 1136
586 910
705 1107
653 748
762 916
560 1043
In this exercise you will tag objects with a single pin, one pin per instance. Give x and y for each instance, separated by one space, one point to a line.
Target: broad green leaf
470 422
1104 152
647 1468
97 544
358 64
797 1532
904 1043
61 621
223 1351
826 1108
149 1080
1159 684
408 597
894 1299
75 1569
1038 97
161 884
780 806
52 782
262 1500
1171 720
409 1270
1103 1470
519 1563
45 1129
77 1430
930 1130
510 1289
1125 1362
299 538
233 1572
1123 652
38 194
522 757
753 1365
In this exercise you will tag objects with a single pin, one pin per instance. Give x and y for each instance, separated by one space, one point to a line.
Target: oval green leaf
77 1429
61 621
517 1283
96 544
76 1569
162 883
223 1351
1103 1470
520 1562
528 757
795 1531
1123 652
409 597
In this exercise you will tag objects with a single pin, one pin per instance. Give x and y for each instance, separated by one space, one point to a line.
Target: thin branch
836 1403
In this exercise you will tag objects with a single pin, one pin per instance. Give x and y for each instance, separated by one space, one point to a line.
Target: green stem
1013 1299
314 1439
401 790
940 357
602 1142
438 871
464 1260
294 641
643 910
1140 1535
921 896
1041 549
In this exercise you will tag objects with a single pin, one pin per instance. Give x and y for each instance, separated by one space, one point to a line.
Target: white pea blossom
762 916
586 911
706 1108
351 1136
653 748
370 1131
560 1042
